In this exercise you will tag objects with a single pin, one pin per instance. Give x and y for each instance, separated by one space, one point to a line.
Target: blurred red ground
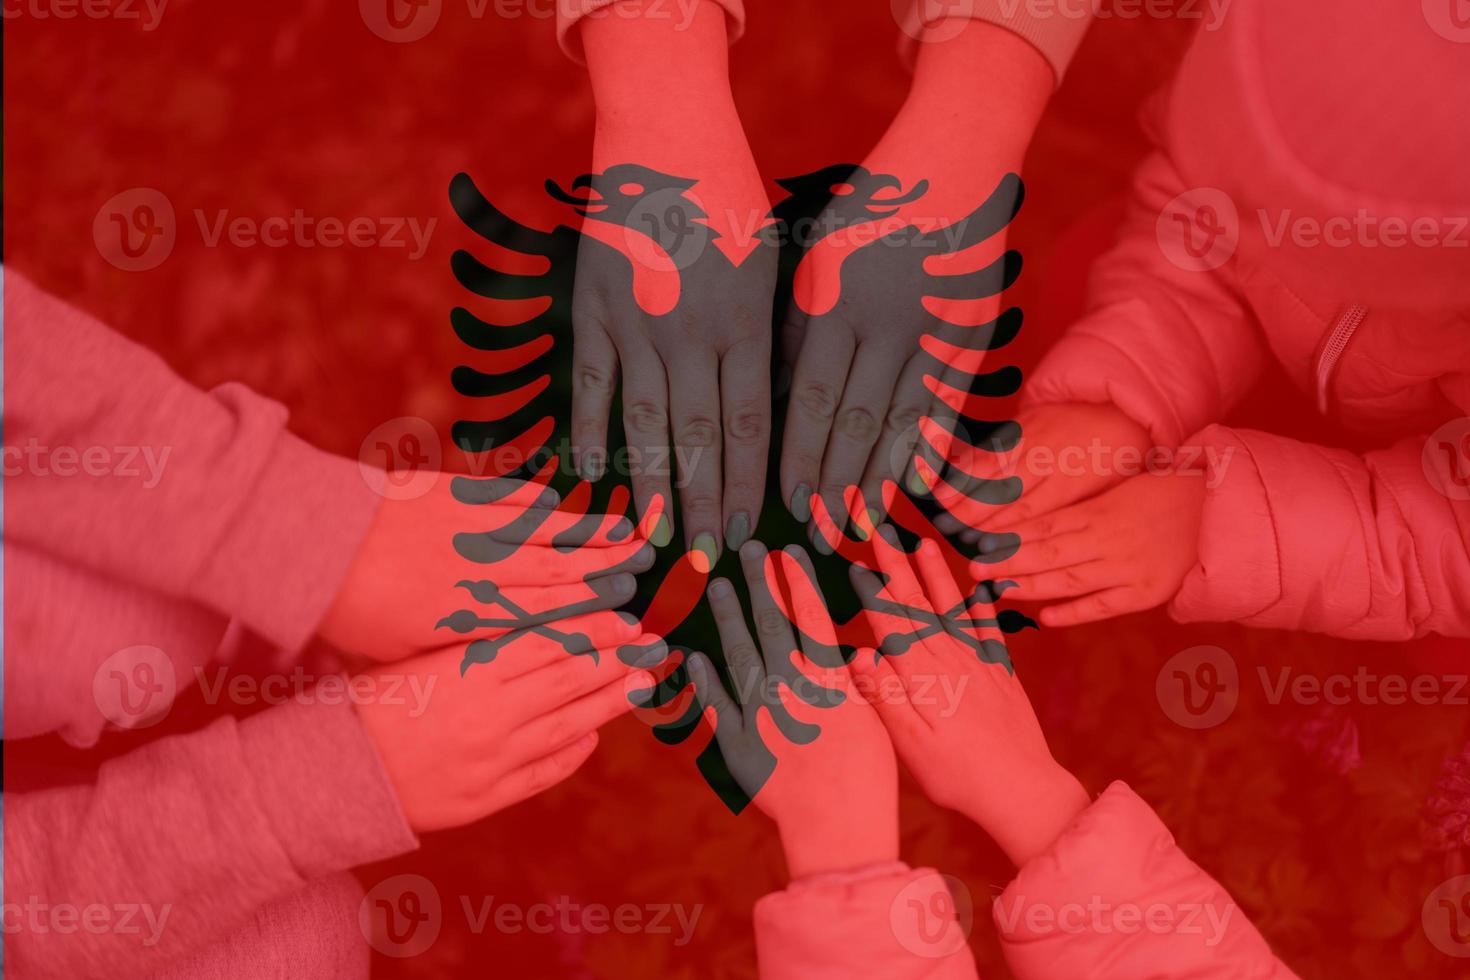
261 109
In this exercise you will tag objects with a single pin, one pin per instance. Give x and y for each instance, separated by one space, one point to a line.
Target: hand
426 557
833 791
678 299
498 734
904 290
978 748
1067 452
1125 551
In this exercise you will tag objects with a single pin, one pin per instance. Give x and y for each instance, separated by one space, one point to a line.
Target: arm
1095 877
695 371
209 497
1296 536
850 908
200 831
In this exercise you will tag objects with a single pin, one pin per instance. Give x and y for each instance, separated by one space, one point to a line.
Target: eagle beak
583 205
893 203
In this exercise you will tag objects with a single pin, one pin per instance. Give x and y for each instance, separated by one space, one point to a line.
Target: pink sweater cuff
287 551
323 788
862 923
1056 34
570 12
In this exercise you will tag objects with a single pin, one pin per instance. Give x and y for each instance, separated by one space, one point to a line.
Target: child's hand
972 739
412 571
459 748
834 792
1125 551
1067 452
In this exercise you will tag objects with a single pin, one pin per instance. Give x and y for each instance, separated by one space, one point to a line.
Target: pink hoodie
1324 147
226 845
1113 897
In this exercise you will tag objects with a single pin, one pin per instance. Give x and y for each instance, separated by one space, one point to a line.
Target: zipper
1337 341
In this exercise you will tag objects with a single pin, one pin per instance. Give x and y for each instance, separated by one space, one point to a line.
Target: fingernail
737 531
917 484
819 541
663 532
801 503
705 544
591 465
719 589
874 517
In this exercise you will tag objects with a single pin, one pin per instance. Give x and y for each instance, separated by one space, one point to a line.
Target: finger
1049 554
594 378
694 396
742 659
771 625
745 397
528 650
936 444
573 720
562 682
490 609
882 687
890 455
816 390
1078 580
1112 602
813 618
541 774
646 428
938 582
858 423
729 719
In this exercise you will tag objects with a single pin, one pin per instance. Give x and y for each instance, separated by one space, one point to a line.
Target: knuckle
744 650
817 398
858 423
594 378
903 418
747 422
646 416
770 621
701 510
1072 578
699 432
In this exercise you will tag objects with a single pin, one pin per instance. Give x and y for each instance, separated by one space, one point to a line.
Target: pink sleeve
887 921
1171 346
1115 897
1055 33
197 832
121 466
1303 537
570 12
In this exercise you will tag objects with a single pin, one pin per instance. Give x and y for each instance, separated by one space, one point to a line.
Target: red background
264 108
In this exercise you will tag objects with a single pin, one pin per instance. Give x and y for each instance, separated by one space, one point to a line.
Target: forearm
975 101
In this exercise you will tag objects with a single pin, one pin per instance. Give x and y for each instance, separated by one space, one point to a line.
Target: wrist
1037 807
639 58
848 845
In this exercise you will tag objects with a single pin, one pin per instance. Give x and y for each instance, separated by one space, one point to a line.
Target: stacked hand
1098 523
797 735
